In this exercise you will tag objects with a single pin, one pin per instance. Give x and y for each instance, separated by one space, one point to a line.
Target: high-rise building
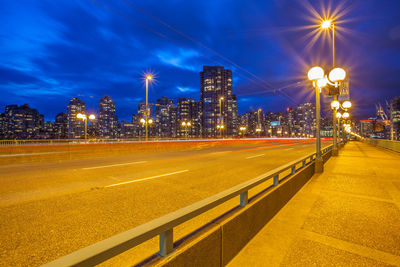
107 120
3 126
395 118
127 130
23 122
61 126
76 127
218 104
166 112
189 112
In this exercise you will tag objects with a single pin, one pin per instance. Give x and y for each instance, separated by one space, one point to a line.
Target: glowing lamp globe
150 121
346 115
142 121
325 24
321 83
92 117
315 73
335 104
337 74
338 115
346 104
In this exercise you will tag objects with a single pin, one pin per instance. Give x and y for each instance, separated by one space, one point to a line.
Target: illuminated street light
84 118
346 104
186 124
326 24
337 74
335 104
346 115
339 115
149 77
315 73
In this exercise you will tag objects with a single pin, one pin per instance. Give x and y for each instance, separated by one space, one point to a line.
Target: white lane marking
220 152
255 156
30 154
289 148
113 165
148 178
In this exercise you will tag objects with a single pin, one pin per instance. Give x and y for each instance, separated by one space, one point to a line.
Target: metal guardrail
163 226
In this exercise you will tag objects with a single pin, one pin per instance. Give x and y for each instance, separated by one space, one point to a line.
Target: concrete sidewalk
347 216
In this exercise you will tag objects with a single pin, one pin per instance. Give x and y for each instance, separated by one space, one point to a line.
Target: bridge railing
163 226
388 144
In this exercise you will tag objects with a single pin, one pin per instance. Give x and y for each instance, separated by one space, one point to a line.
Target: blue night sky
52 51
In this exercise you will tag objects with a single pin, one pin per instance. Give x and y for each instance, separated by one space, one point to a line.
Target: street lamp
242 129
148 78
186 125
84 118
316 74
221 122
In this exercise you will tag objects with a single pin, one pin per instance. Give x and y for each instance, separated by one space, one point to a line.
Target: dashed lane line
147 178
113 165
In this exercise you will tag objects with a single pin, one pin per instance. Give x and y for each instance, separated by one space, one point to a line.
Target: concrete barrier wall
222 240
388 144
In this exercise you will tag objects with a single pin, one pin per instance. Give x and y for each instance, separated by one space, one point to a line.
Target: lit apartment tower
216 98
61 126
189 111
23 122
3 126
76 127
166 112
395 118
107 120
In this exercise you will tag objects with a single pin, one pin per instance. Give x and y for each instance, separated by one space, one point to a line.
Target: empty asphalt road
49 208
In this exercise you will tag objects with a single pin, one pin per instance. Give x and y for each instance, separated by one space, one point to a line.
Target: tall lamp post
221 119
148 78
328 24
336 105
186 124
319 81
84 118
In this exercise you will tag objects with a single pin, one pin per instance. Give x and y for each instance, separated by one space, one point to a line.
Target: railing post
244 198
293 169
304 163
311 158
166 242
276 179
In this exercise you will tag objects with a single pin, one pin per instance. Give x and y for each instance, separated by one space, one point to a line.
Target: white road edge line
113 165
255 156
148 178
29 154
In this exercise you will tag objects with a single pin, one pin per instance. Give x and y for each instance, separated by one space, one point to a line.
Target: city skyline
101 53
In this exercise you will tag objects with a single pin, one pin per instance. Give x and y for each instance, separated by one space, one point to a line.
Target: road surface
50 209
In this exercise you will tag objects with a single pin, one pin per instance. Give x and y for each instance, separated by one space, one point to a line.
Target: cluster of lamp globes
143 121
84 117
345 106
320 80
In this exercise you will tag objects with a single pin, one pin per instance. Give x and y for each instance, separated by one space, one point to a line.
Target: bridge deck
347 216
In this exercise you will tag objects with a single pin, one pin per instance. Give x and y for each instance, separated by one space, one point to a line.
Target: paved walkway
347 216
